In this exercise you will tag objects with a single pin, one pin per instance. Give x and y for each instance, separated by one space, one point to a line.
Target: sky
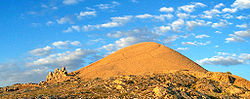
38 36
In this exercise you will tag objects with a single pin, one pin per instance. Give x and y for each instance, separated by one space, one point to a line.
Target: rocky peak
57 76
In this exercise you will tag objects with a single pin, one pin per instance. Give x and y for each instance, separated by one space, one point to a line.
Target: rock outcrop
57 76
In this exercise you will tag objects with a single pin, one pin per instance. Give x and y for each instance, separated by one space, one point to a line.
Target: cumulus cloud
192 24
49 23
73 27
131 37
183 15
176 25
219 5
220 60
242 17
218 32
195 43
117 34
115 22
108 6
190 8
234 38
182 49
243 34
222 23
72 59
143 16
162 29
242 26
210 13
86 13
42 51
65 44
162 17
230 10
170 39
226 59
64 20
241 4
238 36
202 36
11 73
165 9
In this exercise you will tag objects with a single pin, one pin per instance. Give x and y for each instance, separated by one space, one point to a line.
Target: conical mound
147 57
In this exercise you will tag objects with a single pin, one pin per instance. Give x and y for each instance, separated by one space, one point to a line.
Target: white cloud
183 15
245 56
230 10
131 37
227 16
241 4
242 17
182 49
219 5
222 23
217 46
72 59
190 8
70 2
210 13
238 36
242 26
162 17
108 6
234 38
195 43
69 29
64 20
164 9
192 24
176 25
116 21
243 34
65 44
42 51
202 36
218 32
226 59
86 13
76 27
144 16
73 27
172 38
49 23
162 29
220 60
117 34
11 73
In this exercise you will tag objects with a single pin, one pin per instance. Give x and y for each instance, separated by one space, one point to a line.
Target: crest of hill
142 58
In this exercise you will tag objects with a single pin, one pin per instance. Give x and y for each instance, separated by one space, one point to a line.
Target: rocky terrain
173 84
144 70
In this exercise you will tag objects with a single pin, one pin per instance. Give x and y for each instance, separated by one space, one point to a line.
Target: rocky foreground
173 85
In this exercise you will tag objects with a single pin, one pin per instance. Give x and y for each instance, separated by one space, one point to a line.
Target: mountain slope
146 57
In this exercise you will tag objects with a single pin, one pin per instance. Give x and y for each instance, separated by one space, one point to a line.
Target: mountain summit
146 57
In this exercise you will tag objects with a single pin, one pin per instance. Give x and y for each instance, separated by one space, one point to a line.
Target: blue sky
38 36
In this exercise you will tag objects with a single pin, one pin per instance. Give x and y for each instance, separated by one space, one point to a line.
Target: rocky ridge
172 84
